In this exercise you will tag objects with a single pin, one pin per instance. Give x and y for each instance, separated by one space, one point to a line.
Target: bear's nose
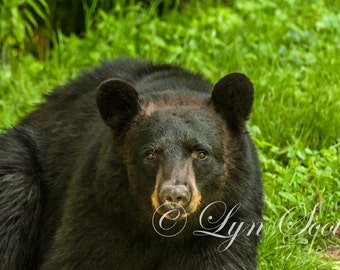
175 196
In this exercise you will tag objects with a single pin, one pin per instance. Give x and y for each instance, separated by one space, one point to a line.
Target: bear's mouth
178 207
172 211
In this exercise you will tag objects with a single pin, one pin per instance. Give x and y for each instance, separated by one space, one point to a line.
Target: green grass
290 50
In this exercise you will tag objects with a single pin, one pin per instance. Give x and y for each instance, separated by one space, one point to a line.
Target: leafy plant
19 19
290 51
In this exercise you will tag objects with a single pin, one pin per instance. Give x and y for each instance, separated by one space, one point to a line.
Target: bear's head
177 146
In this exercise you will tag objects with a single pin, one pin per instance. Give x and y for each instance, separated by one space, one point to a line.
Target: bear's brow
150 146
194 144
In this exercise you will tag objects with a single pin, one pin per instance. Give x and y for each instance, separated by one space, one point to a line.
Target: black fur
76 186
20 198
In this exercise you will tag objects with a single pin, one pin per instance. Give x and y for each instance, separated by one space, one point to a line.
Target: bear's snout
174 196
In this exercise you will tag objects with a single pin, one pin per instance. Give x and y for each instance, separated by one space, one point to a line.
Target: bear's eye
150 155
200 154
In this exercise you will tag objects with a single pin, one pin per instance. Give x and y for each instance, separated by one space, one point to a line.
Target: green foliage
290 51
19 19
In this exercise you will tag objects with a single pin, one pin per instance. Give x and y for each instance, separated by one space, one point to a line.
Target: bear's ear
233 97
118 103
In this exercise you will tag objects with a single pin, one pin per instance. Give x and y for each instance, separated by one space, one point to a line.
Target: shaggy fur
81 176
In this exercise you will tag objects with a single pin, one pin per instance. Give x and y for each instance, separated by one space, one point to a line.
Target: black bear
133 165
